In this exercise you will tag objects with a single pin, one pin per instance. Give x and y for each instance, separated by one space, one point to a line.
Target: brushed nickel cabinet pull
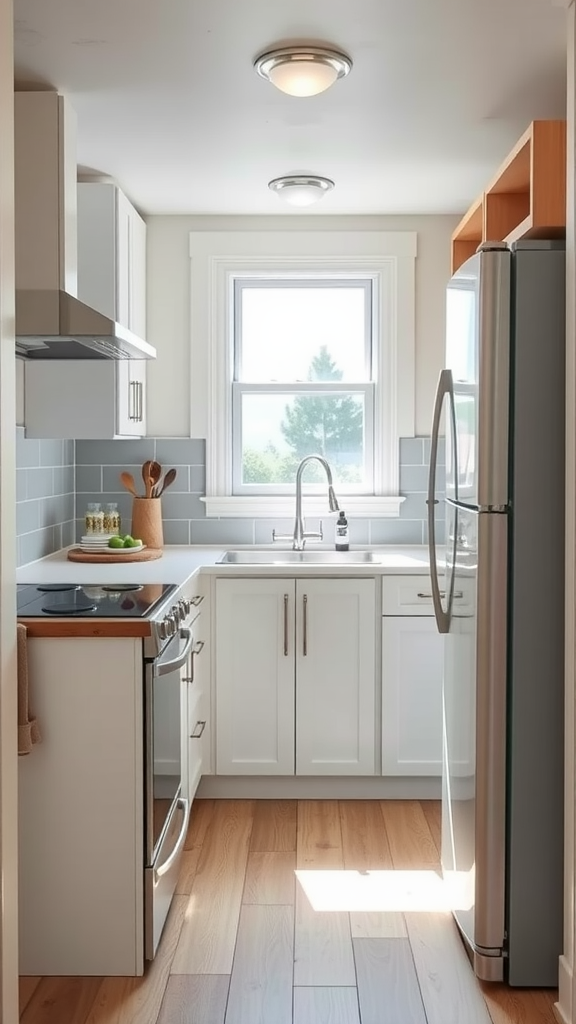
132 401
285 625
458 594
198 647
197 600
197 730
305 630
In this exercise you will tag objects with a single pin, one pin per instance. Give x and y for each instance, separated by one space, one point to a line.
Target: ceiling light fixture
301 189
302 70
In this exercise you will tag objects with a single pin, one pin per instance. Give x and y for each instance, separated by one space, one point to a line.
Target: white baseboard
290 787
563 1008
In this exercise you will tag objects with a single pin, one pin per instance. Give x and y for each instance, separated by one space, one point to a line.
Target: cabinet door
254 674
335 677
412 666
131 266
112 255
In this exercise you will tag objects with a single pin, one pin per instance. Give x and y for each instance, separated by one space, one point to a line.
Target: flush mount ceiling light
302 70
301 189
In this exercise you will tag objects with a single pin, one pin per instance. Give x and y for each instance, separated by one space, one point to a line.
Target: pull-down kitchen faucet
300 536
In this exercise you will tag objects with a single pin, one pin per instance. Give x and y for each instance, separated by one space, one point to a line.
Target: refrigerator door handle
445 388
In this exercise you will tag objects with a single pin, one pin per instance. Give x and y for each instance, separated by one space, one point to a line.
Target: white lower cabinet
254 677
412 671
81 833
411 696
295 676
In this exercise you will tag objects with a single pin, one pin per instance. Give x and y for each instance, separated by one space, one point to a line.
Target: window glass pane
279 430
297 334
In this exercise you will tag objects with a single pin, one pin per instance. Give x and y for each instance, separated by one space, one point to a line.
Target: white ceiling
169 106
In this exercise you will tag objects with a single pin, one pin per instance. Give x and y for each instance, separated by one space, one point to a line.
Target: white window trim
388 257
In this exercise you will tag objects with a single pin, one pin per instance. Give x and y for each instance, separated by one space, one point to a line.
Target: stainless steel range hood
56 325
51 321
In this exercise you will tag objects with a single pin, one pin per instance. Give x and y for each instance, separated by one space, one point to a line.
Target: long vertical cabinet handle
132 414
285 625
305 625
140 401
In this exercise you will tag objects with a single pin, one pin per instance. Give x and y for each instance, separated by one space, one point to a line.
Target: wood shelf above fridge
525 199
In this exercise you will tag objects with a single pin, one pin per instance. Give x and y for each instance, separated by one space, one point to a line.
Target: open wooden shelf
525 199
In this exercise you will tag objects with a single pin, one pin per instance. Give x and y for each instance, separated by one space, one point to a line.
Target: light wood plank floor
308 912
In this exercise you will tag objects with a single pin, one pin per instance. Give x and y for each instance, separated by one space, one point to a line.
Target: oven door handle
167 667
182 805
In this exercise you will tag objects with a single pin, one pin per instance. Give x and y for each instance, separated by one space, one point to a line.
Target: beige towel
28 731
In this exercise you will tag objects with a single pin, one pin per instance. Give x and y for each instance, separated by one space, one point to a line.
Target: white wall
168 311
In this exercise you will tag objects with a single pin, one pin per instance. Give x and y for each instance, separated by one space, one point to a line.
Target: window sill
283 506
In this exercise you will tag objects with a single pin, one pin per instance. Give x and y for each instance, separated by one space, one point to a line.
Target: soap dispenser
342 532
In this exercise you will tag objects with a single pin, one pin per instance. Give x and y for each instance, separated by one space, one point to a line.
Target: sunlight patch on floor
370 891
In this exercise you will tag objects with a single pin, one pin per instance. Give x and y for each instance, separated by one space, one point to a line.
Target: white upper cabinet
112 255
98 398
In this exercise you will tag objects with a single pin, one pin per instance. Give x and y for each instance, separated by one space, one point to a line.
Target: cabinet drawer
412 595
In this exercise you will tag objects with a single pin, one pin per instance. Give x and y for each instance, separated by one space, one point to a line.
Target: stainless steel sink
269 557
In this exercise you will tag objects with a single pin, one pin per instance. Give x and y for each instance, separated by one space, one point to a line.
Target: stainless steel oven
166 804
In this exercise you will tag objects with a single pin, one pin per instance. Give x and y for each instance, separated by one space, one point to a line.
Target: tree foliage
328 425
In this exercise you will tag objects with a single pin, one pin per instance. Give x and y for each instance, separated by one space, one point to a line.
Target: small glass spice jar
94 518
111 518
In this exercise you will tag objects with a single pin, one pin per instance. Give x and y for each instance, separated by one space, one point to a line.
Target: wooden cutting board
114 555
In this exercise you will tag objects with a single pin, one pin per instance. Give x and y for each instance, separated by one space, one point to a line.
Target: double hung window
307 340
304 373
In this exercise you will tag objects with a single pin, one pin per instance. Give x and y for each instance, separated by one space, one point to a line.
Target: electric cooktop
114 600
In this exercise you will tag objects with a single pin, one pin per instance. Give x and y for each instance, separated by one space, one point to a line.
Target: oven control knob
176 612
184 606
162 630
170 625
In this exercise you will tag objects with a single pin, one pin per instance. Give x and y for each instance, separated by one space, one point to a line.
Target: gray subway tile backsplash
88 478
40 482
176 531
115 453
182 506
411 451
222 531
52 495
413 478
180 451
45 499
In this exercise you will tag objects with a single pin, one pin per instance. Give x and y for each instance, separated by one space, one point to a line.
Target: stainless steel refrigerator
500 606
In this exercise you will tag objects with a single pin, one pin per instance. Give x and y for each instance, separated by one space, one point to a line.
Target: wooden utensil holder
147 521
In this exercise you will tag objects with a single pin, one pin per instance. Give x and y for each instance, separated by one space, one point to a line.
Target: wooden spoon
146 478
168 479
128 481
155 474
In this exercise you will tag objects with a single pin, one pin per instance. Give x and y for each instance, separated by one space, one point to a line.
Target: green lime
128 541
115 542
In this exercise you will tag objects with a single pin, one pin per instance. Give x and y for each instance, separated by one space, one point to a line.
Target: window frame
387 257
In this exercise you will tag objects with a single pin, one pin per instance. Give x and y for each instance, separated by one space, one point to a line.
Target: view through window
303 383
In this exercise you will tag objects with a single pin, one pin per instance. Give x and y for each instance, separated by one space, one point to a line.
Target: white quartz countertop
180 562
